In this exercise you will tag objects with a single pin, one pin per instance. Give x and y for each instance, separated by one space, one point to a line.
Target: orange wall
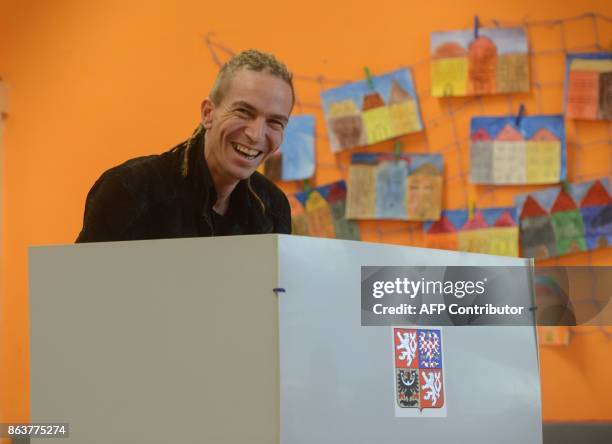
94 83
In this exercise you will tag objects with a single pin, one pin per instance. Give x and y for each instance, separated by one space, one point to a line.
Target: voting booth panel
337 377
186 341
156 341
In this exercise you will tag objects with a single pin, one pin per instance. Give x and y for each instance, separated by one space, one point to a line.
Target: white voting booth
185 341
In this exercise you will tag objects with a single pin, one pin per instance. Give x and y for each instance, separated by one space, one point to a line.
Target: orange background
94 83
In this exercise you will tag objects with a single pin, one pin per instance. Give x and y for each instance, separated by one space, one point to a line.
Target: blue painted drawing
296 158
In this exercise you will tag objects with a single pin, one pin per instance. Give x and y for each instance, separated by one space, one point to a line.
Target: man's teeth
246 151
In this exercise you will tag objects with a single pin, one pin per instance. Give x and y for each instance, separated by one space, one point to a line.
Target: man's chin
242 175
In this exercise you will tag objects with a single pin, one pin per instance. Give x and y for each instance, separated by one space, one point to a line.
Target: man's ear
206 112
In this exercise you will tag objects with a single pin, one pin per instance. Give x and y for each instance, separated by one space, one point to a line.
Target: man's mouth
245 152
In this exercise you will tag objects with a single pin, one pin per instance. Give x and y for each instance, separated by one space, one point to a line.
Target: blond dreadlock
185 165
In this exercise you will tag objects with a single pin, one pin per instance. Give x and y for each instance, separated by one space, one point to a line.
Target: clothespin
520 115
476 26
307 186
369 77
471 205
397 150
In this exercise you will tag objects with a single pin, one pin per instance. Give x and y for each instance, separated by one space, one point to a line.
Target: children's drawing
588 86
360 114
494 61
296 158
489 231
385 186
319 212
504 153
564 220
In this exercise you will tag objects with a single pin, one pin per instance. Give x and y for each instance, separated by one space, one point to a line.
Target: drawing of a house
373 100
361 195
299 220
512 72
442 235
320 220
509 156
509 134
477 222
403 111
605 95
424 193
344 228
504 236
544 135
589 89
596 210
543 157
472 235
449 70
482 66
504 220
346 124
481 157
567 224
391 190
481 135
582 94
376 117
536 231
449 50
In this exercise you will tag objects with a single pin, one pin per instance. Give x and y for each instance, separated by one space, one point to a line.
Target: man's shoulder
154 167
147 178
144 180
123 194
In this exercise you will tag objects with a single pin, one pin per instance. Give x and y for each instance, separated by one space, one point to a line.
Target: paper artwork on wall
359 115
489 231
494 62
504 153
295 160
558 221
319 212
383 186
588 86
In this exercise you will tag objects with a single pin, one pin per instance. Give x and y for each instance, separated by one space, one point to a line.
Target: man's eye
277 124
243 112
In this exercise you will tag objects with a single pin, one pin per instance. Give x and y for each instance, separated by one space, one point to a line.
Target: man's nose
255 130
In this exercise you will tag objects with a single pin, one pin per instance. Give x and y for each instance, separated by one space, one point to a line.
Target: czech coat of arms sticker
419 372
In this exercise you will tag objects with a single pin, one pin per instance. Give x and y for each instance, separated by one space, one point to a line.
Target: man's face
247 126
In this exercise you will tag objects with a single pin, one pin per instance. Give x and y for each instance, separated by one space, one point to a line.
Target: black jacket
171 195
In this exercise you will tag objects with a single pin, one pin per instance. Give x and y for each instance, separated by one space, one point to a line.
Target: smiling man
207 185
